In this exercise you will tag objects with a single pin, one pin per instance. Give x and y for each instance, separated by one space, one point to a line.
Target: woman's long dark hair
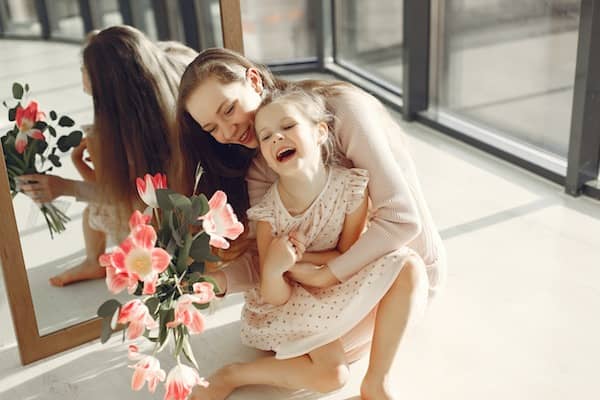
134 86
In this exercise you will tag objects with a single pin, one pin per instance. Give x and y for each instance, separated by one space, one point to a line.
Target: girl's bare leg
404 301
322 370
95 245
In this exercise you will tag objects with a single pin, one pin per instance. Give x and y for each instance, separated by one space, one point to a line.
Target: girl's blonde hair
314 107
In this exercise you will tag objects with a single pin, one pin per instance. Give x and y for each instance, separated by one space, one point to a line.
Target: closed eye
230 109
289 126
266 137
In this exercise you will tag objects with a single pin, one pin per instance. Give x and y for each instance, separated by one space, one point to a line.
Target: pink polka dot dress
313 317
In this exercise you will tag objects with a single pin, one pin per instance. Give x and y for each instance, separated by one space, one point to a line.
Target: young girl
313 213
133 83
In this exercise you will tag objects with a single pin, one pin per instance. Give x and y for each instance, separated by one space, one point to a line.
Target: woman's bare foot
87 270
376 389
219 387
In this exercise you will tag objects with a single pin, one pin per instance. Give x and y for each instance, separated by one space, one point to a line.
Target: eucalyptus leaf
199 205
152 303
41 125
200 250
52 131
55 160
108 308
53 115
164 200
66 121
12 114
106 330
17 91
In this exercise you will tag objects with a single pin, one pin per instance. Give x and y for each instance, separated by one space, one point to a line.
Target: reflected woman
133 83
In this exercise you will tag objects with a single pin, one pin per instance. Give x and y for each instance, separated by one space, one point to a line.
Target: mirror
50 319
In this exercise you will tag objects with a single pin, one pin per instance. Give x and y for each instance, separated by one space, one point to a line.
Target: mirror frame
32 346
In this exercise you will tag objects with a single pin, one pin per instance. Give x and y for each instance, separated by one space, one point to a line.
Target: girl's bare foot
87 270
219 387
376 389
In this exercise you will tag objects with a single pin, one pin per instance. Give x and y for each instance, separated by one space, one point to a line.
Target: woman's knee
412 279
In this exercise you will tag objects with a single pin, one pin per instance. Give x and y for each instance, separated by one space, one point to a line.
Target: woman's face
85 81
226 111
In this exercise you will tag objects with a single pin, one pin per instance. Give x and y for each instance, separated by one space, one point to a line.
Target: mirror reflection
93 182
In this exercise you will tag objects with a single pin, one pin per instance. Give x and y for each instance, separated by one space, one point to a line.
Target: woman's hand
77 152
308 274
41 188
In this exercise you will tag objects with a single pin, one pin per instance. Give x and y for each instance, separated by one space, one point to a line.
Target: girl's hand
298 239
41 188
281 255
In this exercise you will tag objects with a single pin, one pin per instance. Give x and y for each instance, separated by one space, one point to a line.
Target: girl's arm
318 274
276 256
87 173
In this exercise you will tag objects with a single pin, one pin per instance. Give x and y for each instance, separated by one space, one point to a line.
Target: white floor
518 319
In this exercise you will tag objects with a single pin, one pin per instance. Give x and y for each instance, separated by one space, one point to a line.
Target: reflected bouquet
26 149
165 269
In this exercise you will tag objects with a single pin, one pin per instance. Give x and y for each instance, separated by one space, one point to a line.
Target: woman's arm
47 187
275 256
363 131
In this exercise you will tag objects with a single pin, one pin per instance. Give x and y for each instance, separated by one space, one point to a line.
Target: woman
219 94
133 83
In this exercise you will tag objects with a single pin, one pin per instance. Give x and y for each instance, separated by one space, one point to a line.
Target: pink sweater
369 138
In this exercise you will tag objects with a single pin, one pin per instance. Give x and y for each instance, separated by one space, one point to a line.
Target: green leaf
4 104
27 87
179 200
164 200
55 160
200 250
199 206
165 316
188 352
52 131
201 306
196 267
179 340
65 143
17 91
41 125
106 330
108 308
53 115
12 114
152 303
66 121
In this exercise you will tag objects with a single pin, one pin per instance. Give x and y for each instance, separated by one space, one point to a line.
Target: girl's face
289 141
226 111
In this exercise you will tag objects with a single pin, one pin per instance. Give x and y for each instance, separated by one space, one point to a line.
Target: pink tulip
204 291
186 313
220 221
181 381
146 369
137 219
136 259
26 119
137 314
147 188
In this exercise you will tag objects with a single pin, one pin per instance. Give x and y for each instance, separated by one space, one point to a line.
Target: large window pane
65 19
368 36
111 15
19 17
278 31
508 66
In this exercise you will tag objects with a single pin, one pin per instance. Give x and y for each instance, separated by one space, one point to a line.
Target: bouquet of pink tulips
26 149
165 269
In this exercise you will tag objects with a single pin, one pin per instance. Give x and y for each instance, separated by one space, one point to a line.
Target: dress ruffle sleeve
357 180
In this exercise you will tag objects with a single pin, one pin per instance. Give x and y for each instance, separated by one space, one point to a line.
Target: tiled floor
518 318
